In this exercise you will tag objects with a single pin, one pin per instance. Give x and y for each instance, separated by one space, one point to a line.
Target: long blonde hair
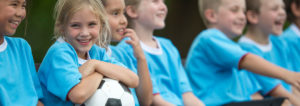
65 9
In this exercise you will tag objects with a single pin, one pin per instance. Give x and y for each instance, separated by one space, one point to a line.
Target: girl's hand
135 43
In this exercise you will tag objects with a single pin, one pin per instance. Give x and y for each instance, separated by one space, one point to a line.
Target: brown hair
65 9
203 5
135 4
290 16
253 5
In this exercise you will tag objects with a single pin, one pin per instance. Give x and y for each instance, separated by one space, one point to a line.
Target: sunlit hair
135 4
204 5
65 9
290 16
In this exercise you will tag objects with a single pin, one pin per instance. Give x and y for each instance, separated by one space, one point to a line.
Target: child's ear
131 11
210 15
252 17
295 9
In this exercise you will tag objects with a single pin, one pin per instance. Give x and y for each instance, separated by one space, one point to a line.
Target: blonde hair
135 4
65 9
203 5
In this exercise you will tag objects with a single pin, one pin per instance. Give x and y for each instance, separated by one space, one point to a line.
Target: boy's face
117 20
230 17
82 30
12 13
272 16
152 14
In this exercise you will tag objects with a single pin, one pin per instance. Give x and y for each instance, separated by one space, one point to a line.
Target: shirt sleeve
63 73
33 72
222 51
183 80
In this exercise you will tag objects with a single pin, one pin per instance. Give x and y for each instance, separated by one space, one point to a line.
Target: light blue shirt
59 72
275 52
213 68
292 37
166 71
121 55
19 84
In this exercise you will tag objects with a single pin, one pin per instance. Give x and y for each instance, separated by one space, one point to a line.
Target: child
266 17
214 60
74 66
115 10
19 84
170 84
292 34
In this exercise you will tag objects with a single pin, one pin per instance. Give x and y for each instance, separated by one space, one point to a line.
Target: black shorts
265 102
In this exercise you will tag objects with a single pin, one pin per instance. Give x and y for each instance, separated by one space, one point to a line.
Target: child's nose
84 32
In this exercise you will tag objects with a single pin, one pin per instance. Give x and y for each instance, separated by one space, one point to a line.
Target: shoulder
62 49
164 41
17 41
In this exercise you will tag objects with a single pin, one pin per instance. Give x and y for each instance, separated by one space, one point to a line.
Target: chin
277 33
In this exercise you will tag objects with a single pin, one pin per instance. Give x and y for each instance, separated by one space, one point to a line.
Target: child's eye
93 24
14 4
75 25
24 6
115 13
235 9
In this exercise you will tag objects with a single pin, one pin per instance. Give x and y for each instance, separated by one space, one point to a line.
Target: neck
1 39
145 35
82 55
257 35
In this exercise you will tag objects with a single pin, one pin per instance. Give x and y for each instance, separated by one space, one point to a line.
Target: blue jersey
19 84
275 52
212 66
292 37
59 72
121 55
166 71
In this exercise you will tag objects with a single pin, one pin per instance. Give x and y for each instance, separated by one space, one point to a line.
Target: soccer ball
110 93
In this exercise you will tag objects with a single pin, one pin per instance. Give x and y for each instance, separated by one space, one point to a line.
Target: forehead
240 3
271 2
115 3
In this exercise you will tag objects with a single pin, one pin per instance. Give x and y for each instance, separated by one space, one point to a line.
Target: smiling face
231 18
152 14
272 16
12 13
117 20
83 31
115 10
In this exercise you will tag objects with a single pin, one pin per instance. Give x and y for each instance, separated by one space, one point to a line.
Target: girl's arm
116 72
281 92
89 83
260 66
144 89
85 88
159 101
189 99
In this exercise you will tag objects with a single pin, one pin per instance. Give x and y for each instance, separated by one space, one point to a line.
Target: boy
267 17
292 34
170 83
214 60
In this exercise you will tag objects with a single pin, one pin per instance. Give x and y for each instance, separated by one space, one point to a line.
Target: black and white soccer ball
110 93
